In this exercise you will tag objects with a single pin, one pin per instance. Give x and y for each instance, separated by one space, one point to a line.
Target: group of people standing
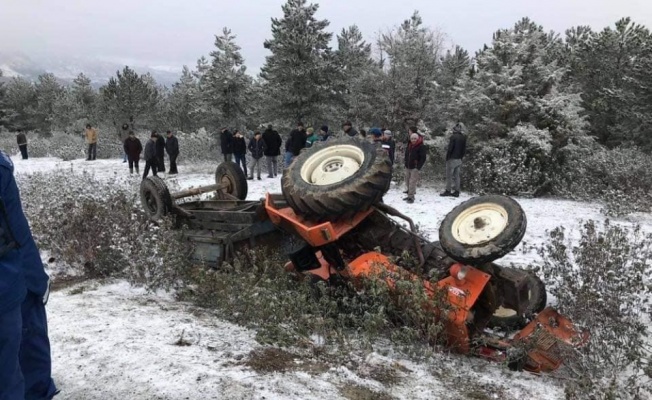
266 144
154 153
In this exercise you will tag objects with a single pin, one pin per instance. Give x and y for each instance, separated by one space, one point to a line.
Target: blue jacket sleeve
36 279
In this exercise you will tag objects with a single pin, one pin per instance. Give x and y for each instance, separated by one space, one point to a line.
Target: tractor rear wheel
336 179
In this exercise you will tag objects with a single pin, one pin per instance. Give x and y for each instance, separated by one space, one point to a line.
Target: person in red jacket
415 157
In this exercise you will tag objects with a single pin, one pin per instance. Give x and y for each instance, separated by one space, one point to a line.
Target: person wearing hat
454 154
132 148
323 132
151 160
349 130
312 137
388 144
415 158
226 144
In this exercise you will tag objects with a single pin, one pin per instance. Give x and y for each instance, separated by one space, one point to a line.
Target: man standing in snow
172 148
257 147
151 160
240 150
132 148
415 157
160 152
25 363
273 143
454 155
91 141
22 143
226 144
296 142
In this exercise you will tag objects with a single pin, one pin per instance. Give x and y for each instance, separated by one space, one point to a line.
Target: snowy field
114 341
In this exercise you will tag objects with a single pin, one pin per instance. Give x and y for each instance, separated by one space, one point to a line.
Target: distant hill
16 64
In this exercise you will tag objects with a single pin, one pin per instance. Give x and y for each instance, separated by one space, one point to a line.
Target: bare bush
603 284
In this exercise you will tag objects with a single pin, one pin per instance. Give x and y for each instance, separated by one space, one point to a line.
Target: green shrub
602 284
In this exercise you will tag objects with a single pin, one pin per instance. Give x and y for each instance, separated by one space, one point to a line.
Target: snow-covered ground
114 341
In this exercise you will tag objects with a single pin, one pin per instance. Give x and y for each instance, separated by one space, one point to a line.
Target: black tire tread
355 194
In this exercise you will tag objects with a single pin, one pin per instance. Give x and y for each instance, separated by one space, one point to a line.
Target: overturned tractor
331 222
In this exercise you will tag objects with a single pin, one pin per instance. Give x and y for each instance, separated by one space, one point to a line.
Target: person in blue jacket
25 364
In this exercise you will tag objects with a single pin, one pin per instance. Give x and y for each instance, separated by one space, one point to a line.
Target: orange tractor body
544 338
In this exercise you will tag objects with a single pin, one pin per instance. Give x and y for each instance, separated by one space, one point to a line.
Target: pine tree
612 69
20 105
184 102
354 64
227 86
517 80
413 56
299 72
48 93
128 97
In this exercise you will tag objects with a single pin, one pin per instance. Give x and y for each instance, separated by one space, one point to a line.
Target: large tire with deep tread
229 173
155 198
482 229
336 178
537 301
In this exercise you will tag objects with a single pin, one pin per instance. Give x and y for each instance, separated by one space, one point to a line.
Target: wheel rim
332 165
226 180
480 224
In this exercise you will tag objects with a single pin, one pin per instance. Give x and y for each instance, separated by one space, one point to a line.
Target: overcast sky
175 32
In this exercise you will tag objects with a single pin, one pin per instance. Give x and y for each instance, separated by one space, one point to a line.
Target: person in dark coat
388 144
454 154
415 157
25 361
273 143
22 143
296 142
240 150
172 148
160 152
257 148
151 159
349 130
124 134
226 144
132 148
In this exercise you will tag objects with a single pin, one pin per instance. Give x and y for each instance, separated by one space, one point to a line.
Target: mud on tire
336 178
155 198
482 229
230 174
